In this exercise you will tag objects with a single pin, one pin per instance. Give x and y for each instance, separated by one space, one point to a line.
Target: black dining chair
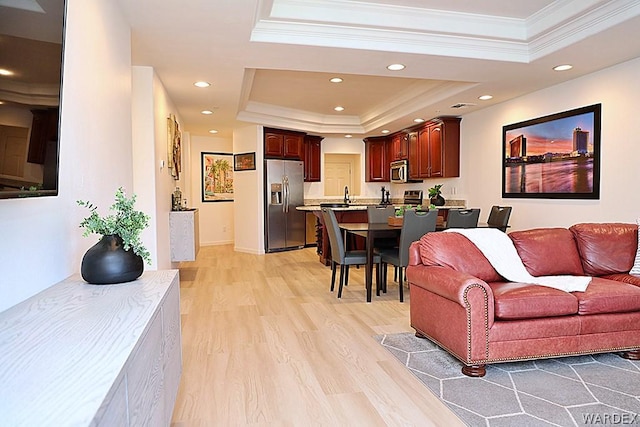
463 218
414 225
341 256
499 217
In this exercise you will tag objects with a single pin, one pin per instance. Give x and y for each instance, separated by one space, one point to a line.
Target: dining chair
341 256
499 217
414 225
463 218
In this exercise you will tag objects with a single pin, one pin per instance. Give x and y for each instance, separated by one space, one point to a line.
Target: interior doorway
341 170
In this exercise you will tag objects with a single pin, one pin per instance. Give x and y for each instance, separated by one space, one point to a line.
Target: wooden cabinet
312 155
273 145
283 144
398 147
434 149
97 355
376 159
184 235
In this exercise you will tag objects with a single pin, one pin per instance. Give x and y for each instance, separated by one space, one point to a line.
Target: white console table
184 235
93 355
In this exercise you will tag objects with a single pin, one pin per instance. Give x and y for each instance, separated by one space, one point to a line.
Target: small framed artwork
244 162
217 177
553 157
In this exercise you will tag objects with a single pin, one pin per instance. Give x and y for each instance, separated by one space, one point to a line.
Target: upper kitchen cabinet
283 144
434 149
376 159
398 146
312 154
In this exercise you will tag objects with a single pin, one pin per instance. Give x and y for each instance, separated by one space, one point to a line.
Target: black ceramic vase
437 200
107 262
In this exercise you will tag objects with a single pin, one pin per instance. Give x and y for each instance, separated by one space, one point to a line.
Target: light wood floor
265 343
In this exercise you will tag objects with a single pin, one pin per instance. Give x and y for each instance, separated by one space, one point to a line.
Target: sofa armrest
453 308
468 291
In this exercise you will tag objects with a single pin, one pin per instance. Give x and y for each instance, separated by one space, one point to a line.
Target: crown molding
355 25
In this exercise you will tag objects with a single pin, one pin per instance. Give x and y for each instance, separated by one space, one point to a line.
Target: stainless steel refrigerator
284 190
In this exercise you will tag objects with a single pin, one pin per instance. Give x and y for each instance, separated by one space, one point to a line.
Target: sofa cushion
526 301
608 296
607 248
548 251
455 251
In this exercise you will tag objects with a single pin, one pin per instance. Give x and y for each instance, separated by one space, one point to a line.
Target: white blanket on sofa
498 248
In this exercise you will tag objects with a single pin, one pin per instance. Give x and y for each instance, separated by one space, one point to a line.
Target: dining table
370 231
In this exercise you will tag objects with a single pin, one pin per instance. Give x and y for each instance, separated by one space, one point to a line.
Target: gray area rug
597 390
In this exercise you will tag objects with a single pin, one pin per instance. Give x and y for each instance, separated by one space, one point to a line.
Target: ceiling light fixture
339 108
418 120
207 112
202 84
563 67
336 80
485 97
5 72
348 136
395 67
213 131
385 130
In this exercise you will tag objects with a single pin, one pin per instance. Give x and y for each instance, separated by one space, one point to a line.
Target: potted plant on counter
118 256
435 195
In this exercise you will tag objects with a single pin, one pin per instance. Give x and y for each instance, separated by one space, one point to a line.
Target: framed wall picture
174 147
553 157
217 177
244 162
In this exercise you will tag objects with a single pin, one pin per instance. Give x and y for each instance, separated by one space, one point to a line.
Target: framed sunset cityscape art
553 157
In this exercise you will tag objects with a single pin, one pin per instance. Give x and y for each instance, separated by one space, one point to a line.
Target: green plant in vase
125 222
119 255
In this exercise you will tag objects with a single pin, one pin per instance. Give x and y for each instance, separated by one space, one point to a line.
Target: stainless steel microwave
399 171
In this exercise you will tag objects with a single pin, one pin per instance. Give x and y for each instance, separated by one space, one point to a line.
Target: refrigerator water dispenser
276 194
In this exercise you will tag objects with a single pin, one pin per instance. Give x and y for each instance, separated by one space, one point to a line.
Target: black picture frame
244 161
217 177
553 157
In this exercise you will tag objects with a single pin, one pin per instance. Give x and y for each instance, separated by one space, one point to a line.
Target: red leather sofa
460 302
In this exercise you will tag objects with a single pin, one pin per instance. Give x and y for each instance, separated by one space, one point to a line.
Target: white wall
249 193
216 220
153 182
41 243
617 89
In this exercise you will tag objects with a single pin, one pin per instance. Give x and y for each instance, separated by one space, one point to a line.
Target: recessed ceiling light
418 120
485 97
213 131
339 108
348 136
563 67
4 72
385 130
207 112
202 84
336 80
395 67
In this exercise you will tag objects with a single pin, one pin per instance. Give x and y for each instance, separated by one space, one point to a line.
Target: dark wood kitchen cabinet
283 144
398 147
312 155
434 149
376 159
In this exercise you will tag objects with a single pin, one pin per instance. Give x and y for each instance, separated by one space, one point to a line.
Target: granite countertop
314 205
